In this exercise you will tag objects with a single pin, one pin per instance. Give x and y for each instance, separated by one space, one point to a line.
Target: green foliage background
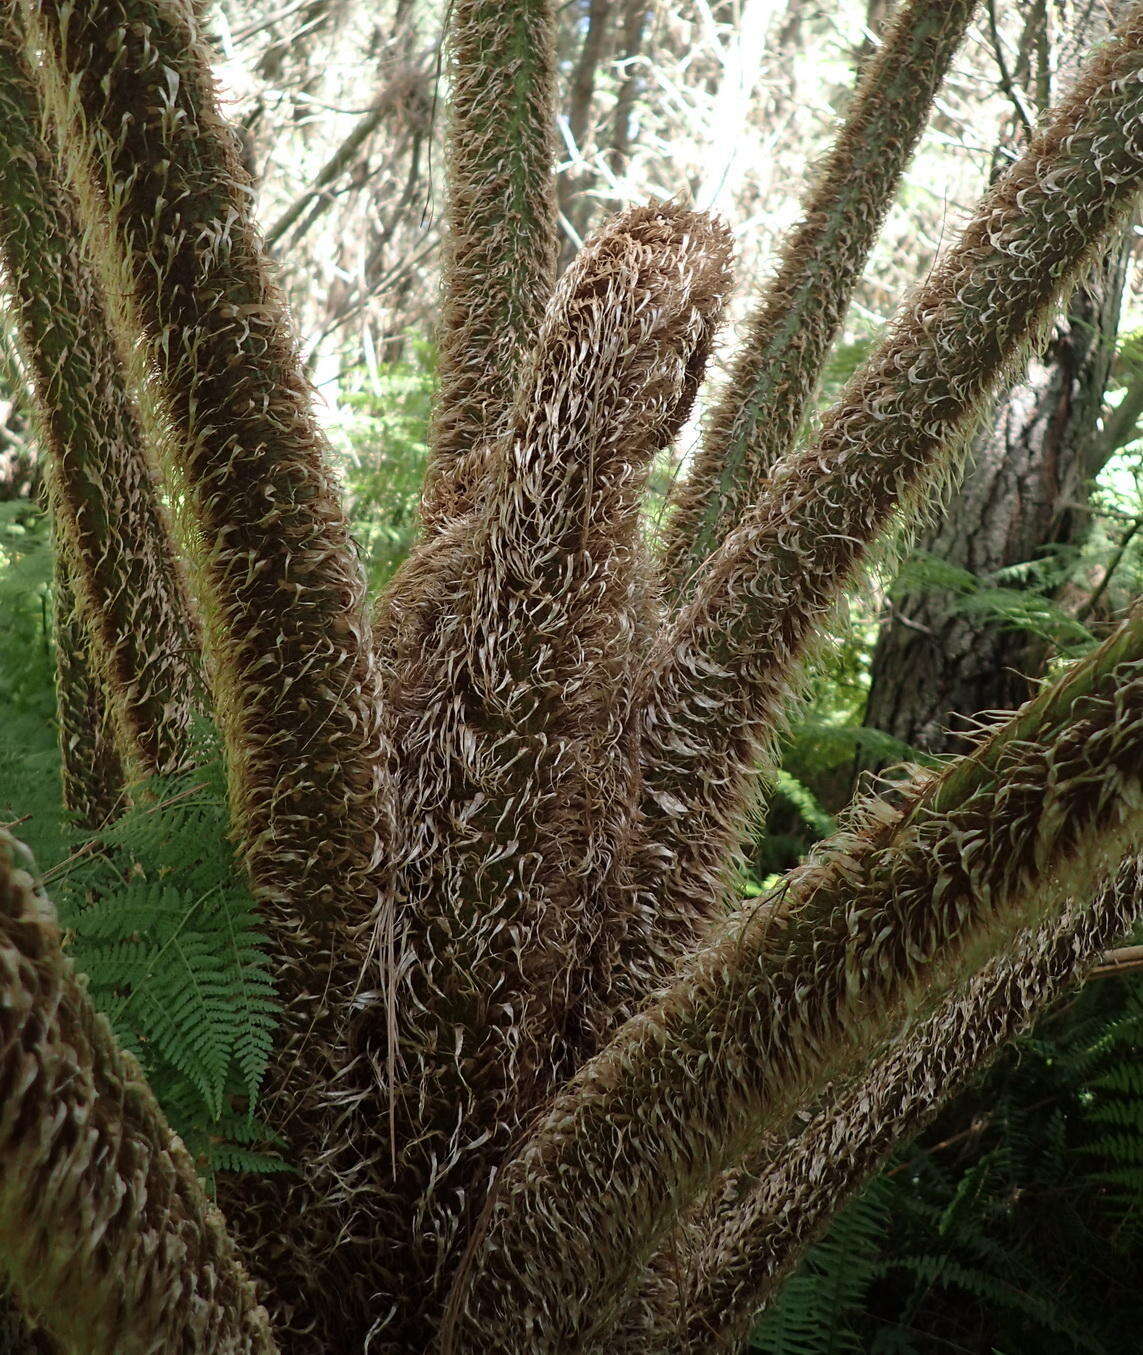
153 909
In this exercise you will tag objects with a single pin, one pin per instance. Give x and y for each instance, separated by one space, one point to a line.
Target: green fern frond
169 937
811 1314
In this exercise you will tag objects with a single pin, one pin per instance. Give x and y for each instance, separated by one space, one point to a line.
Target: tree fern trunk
719 680
798 990
102 486
104 1227
771 384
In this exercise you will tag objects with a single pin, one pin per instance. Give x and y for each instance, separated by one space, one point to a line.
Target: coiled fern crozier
543 1084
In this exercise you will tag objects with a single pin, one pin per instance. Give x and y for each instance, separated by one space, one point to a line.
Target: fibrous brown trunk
102 485
105 1230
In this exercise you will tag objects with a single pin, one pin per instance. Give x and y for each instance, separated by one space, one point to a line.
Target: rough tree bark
1026 493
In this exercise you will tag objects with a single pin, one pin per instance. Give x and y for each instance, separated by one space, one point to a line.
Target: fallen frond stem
1123 960
499 250
105 1230
771 382
720 678
109 519
510 698
801 989
761 1221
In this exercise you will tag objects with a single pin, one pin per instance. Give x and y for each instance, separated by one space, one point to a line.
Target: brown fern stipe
747 1239
770 387
720 677
104 1227
499 255
102 485
282 592
800 989
509 698
488 833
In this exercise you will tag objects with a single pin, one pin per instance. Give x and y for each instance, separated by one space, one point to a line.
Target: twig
337 163
1125 960
1006 82
1090 605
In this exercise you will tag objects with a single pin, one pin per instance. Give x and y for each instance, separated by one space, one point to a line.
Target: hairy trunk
499 257
705 1289
518 780
799 989
90 770
291 662
719 677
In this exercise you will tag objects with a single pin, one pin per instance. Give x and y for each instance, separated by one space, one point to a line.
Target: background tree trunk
1025 495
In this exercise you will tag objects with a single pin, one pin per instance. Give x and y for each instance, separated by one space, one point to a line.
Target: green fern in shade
813 1312
155 912
30 797
1111 1149
170 942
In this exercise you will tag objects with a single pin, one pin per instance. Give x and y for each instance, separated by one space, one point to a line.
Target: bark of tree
1025 495
572 186
636 19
